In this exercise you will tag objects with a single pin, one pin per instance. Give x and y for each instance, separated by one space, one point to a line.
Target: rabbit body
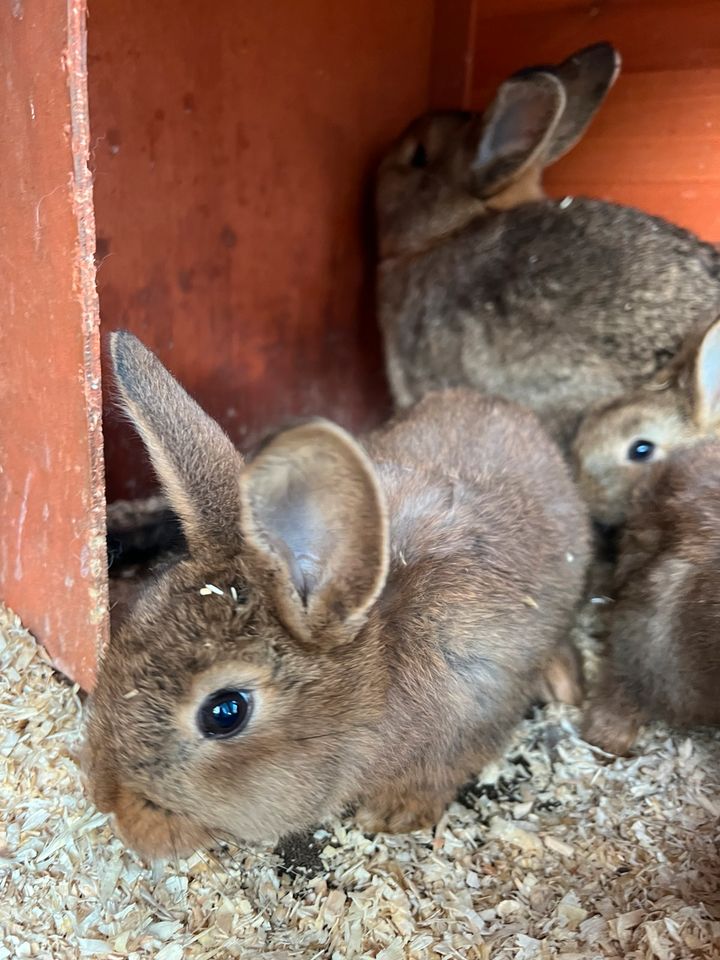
664 656
489 571
485 282
391 614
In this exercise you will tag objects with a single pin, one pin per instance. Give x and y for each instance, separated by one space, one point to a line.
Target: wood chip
560 851
211 588
558 846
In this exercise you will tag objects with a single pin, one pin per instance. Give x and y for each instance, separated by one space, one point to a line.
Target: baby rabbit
349 626
664 660
617 441
484 281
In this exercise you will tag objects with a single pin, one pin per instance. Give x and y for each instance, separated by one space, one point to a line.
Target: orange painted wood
231 146
656 127
52 545
656 141
452 64
652 35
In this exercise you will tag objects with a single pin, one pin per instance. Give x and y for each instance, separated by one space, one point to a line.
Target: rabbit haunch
403 604
485 282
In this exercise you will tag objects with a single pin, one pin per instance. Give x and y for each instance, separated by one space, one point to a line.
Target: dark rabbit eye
641 450
224 713
419 158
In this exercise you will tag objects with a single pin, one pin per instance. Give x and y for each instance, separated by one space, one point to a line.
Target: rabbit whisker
226 849
209 853
332 733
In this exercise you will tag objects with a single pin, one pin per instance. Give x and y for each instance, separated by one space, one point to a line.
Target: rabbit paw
563 680
391 813
611 731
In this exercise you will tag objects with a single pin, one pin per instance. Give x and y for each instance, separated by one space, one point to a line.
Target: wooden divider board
52 543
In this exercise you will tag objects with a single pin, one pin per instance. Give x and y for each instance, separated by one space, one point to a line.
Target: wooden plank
651 36
52 545
234 235
452 65
592 8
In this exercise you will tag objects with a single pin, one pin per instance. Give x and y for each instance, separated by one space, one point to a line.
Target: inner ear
707 379
314 516
516 130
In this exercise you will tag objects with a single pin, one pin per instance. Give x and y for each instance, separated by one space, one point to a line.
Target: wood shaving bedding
557 851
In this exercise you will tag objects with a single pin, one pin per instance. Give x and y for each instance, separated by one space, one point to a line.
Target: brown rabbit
350 626
619 440
483 281
664 660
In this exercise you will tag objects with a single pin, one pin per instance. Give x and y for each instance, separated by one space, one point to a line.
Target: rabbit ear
516 131
707 379
197 464
314 517
587 77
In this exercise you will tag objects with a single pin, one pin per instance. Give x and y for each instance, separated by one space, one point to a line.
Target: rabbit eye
224 713
419 159
641 450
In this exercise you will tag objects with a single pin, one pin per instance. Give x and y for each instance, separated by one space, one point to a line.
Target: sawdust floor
555 852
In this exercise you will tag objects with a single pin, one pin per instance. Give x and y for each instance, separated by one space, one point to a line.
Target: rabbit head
617 440
221 705
451 167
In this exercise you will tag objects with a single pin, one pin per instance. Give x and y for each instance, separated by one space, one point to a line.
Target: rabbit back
488 553
550 304
477 481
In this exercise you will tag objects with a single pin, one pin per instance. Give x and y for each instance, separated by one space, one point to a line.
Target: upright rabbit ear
314 517
197 464
517 129
587 77
706 393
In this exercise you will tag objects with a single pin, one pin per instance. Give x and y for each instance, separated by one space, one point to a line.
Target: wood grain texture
652 35
52 545
233 148
453 53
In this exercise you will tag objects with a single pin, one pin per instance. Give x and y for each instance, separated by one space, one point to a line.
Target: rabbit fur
663 661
